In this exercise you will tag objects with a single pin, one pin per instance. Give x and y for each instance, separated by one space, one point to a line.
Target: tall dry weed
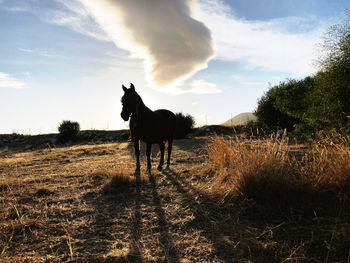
327 164
259 169
265 169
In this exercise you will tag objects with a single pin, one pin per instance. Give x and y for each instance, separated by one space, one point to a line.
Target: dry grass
261 170
269 170
327 164
308 189
85 204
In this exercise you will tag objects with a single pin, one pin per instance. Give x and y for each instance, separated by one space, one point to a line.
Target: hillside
240 119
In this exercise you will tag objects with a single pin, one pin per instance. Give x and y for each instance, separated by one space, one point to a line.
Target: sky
213 59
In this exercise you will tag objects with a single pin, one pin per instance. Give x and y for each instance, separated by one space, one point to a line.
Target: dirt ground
84 204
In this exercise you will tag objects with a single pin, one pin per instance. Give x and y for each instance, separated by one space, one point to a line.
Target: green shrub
68 131
184 124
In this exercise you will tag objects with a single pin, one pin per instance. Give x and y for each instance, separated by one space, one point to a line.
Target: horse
149 126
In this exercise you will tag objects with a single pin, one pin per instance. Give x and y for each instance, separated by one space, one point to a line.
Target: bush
184 124
68 131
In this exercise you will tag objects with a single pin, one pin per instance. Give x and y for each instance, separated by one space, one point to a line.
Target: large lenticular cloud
162 32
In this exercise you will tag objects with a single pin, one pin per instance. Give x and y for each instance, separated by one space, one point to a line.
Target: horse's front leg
137 153
148 154
161 162
170 147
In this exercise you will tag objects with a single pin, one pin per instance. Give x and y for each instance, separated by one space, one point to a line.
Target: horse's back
157 127
166 121
167 117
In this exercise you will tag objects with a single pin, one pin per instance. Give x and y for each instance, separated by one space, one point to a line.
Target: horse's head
129 102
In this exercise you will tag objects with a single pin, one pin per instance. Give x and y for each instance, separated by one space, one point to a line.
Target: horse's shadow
117 227
209 217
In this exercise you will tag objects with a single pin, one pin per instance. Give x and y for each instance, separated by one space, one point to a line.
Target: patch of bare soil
85 204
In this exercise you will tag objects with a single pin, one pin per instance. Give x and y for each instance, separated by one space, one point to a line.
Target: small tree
270 117
184 124
68 131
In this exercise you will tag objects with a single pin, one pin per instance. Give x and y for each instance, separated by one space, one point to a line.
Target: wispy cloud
71 14
79 22
40 52
6 81
285 45
17 9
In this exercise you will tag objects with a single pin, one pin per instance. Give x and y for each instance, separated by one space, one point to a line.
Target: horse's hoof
159 168
167 167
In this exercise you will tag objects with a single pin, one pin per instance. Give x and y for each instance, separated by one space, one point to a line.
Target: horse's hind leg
170 147
148 154
161 162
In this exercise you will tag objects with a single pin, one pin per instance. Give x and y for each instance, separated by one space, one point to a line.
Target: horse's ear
124 88
132 87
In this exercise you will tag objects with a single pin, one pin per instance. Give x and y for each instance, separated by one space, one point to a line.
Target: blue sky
63 59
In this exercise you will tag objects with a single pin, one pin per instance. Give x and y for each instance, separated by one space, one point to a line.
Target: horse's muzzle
125 115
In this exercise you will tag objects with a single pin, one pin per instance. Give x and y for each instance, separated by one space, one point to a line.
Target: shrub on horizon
184 125
68 131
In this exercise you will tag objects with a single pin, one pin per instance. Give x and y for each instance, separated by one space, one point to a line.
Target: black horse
147 125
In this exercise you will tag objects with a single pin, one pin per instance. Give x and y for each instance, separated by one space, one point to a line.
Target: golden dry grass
268 169
311 184
85 204
262 169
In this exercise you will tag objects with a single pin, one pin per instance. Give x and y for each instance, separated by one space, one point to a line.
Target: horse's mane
140 102
139 99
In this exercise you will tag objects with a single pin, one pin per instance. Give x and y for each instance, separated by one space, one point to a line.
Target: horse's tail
165 145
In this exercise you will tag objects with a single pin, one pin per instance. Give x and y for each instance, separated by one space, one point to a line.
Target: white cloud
172 44
198 86
268 45
9 82
201 86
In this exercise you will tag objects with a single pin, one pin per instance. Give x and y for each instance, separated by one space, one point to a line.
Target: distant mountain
240 119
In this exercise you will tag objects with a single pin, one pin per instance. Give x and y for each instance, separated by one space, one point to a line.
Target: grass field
221 201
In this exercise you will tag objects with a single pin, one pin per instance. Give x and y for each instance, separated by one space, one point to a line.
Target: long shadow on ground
213 222
165 239
128 225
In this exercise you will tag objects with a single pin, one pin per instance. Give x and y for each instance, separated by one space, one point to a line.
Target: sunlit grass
267 169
